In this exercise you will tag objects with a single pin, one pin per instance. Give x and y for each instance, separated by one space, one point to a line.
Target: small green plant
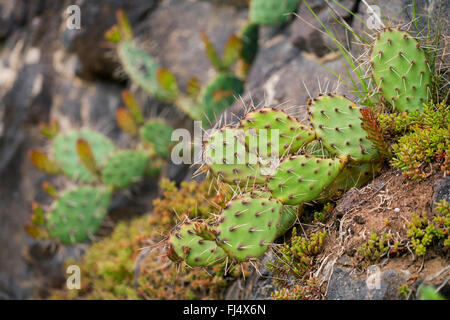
321 216
424 138
404 290
296 257
416 150
423 231
309 291
376 247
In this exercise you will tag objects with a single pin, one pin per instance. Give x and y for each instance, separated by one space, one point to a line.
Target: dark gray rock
308 34
259 286
441 191
344 285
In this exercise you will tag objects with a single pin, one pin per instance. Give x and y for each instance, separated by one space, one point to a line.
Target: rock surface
344 285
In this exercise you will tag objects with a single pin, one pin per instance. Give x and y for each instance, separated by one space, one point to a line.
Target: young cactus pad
65 153
77 214
249 37
271 12
401 70
142 69
124 168
219 95
226 156
337 123
266 123
159 135
247 226
194 250
300 179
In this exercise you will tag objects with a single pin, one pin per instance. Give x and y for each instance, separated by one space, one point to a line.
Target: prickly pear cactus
193 249
226 156
269 124
271 12
401 70
142 69
337 123
159 134
76 215
289 216
65 153
124 168
218 95
301 179
247 226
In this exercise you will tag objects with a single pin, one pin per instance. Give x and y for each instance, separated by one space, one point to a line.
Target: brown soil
385 205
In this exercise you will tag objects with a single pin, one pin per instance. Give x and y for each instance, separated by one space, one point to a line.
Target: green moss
321 216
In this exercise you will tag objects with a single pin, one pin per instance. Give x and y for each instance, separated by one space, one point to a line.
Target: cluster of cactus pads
281 164
91 160
275 194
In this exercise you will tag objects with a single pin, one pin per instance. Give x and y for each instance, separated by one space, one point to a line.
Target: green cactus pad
77 214
217 96
159 134
239 166
337 123
194 250
291 134
300 179
289 216
142 69
401 70
247 226
124 168
65 152
271 12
